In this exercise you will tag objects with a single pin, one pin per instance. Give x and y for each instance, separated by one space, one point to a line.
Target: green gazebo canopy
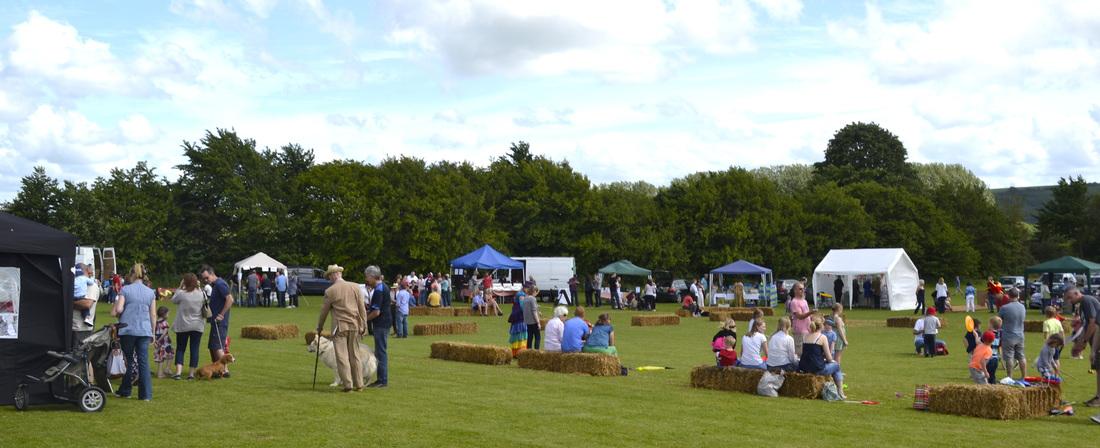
1065 264
624 267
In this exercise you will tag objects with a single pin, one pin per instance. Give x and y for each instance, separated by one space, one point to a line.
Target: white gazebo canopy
260 261
899 275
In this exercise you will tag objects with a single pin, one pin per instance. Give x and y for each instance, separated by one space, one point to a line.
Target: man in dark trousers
379 315
838 289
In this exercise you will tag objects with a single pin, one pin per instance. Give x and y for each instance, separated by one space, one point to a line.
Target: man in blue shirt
220 303
280 288
379 315
576 331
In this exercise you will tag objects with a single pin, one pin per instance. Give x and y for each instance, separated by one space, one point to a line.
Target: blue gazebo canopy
741 267
485 257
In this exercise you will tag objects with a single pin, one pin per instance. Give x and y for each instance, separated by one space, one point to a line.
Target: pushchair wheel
92 399
22 398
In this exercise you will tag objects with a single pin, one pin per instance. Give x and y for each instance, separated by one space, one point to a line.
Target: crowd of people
273 288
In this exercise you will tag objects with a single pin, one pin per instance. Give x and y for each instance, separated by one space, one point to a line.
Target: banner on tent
9 303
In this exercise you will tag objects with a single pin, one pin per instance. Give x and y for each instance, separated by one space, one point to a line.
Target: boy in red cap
980 359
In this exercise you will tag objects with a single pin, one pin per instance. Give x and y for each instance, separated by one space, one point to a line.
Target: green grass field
269 402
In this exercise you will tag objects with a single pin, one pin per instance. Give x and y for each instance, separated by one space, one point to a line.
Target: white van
550 273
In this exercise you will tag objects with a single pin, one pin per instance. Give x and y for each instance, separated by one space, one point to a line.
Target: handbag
116 364
206 313
769 384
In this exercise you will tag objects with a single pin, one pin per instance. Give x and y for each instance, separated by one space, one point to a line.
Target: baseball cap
988 337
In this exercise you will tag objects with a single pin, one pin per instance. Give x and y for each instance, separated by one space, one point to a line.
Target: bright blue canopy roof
485 257
741 267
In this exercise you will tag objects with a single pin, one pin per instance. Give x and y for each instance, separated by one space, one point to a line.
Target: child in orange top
980 359
727 357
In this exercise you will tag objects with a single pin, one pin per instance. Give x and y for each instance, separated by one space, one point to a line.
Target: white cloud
202 9
137 129
632 40
781 9
56 54
340 24
261 8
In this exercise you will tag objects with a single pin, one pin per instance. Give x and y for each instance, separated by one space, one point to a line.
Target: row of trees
232 199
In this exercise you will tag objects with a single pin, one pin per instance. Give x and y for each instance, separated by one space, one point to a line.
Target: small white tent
899 275
259 261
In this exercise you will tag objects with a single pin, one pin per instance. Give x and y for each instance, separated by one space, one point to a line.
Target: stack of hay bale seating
993 401
647 320
683 313
431 311
463 312
1036 326
589 363
437 328
270 331
479 354
736 379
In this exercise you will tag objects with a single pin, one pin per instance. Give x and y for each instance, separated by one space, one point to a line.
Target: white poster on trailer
9 303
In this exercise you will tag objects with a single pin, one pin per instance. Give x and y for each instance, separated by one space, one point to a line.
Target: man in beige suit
349 322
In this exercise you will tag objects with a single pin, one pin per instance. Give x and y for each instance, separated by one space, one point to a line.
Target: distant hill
1030 199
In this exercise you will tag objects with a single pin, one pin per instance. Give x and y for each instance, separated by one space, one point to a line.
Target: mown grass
269 401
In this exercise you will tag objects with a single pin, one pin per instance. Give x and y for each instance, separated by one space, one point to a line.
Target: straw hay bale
594 364
683 313
312 334
431 311
736 379
748 309
653 320
908 322
733 379
478 354
269 332
992 401
1036 326
437 328
463 312
721 316
803 385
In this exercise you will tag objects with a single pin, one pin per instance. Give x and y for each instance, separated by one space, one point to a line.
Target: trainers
176 377
1095 418
1093 403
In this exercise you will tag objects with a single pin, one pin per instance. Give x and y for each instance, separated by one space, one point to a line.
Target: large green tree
37 199
865 151
1064 214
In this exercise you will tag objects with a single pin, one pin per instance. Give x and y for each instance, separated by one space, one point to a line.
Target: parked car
312 279
669 290
1013 280
784 288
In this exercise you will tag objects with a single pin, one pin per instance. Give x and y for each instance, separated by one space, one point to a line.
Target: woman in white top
650 295
781 352
554 330
754 347
941 296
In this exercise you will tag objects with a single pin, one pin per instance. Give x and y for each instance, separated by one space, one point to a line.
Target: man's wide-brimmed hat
332 269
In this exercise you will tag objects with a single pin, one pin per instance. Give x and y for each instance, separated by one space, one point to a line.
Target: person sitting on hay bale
575 332
754 347
690 305
727 357
728 328
479 304
816 358
554 329
602 338
781 353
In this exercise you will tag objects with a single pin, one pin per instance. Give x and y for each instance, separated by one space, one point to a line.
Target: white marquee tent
260 261
900 276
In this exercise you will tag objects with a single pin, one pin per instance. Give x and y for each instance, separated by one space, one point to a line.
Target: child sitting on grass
1047 364
727 357
979 360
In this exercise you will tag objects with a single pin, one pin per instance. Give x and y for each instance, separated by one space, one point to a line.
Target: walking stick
316 340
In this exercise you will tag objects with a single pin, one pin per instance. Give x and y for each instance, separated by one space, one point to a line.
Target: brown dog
215 370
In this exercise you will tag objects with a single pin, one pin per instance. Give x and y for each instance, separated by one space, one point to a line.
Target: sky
624 90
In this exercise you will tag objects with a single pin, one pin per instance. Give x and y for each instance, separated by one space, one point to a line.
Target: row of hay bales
269 331
478 354
437 328
739 309
653 320
909 321
441 311
993 401
594 364
1036 326
736 379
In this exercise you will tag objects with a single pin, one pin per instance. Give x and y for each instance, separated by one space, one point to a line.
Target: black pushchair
80 376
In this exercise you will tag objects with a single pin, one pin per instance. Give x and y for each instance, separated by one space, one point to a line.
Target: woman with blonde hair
136 308
816 357
781 351
727 328
941 296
